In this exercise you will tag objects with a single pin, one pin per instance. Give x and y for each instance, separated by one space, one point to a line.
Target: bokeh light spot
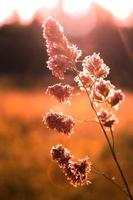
76 7
120 9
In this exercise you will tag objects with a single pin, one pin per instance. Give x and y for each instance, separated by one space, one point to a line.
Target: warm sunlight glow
76 7
6 9
25 8
119 8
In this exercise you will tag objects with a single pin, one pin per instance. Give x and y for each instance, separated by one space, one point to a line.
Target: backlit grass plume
103 97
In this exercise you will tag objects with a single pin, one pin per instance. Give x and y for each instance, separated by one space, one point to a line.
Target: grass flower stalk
92 80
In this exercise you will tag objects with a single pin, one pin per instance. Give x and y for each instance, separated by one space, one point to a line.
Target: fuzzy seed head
59 122
75 172
95 65
106 118
84 78
116 97
61 155
61 92
62 54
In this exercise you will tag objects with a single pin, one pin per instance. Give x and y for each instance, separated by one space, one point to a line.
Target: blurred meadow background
26 169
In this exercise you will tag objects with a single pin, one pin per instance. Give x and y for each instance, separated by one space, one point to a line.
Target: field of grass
26 169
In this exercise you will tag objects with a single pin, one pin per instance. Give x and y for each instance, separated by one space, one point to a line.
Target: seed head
62 54
61 155
102 89
95 65
75 172
84 78
61 92
116 97
106 118
59 122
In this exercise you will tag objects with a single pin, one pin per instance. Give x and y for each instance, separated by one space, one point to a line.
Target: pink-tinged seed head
107 118
116 97
75 172
84 78
62 54
96 66
61 155
61 92
59 122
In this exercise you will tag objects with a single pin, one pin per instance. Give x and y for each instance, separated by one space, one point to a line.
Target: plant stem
113 139
98 172
108 141
114 157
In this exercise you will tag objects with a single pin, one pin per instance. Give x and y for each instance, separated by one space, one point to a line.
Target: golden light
24 8
6 9
76 7
119 8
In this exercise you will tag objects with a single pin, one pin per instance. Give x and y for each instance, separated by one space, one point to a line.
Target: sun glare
26 9
76 7
119 8
6 9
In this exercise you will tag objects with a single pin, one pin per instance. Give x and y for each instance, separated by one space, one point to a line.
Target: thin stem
108 141
98 172
115 159
94 89
113 139
86 121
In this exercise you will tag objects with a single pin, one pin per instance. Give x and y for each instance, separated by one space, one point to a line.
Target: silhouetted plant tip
103 97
